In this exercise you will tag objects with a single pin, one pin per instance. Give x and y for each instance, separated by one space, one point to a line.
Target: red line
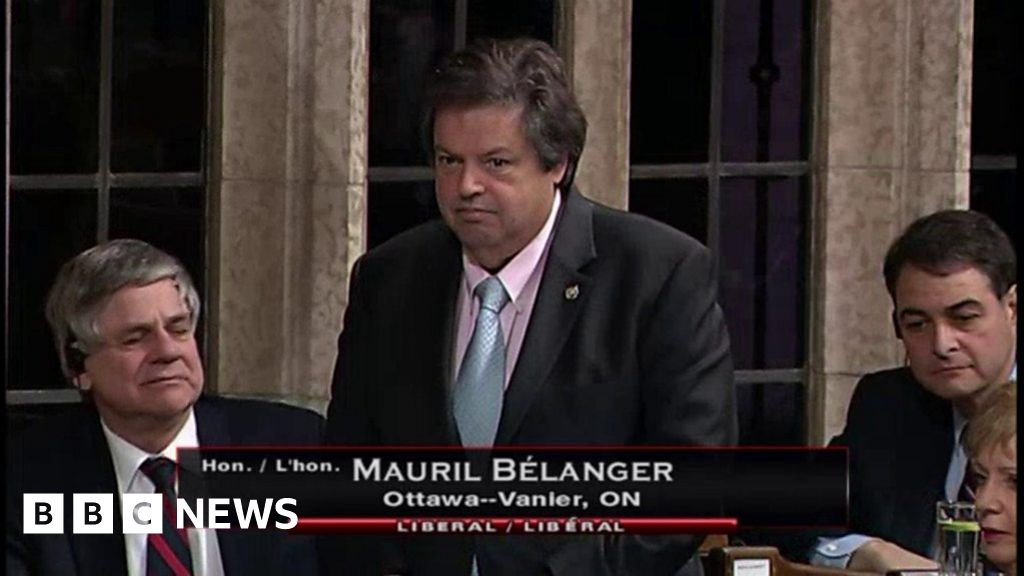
629 525
172 520
168 555
516 448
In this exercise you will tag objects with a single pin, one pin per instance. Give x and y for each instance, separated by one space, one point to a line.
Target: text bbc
143 513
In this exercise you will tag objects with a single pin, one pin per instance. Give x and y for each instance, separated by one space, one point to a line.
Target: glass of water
958 528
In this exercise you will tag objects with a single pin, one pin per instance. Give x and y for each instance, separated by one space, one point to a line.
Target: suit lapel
931 466
430 310
447 316
211 425
96 554
560 297
441 311
921 479
212 430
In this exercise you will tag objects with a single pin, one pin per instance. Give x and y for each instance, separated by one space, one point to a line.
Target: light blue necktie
480 387
481 382
958 463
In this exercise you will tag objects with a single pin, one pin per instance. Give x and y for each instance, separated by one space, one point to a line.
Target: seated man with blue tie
124 316
952 279
529 315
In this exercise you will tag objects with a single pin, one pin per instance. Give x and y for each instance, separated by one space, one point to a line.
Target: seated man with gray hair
124 316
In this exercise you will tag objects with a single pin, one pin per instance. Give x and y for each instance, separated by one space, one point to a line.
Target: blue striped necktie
481 383
166 553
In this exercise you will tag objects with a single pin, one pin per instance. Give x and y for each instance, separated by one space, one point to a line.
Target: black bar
778 487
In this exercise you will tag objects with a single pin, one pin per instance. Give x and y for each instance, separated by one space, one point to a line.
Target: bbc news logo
144 513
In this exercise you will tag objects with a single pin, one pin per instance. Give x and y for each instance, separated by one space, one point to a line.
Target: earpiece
74 355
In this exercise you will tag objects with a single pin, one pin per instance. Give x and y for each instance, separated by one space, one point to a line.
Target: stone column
287 191
892 134
596 39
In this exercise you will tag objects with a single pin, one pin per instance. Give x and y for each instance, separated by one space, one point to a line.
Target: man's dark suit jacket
900 441
900 438
69 454
641 356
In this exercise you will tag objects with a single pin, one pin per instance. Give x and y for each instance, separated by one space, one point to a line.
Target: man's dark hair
523 72
944 242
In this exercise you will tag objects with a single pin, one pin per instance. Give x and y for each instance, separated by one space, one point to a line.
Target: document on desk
752 567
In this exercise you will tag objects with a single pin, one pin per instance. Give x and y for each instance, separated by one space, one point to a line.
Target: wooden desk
762 561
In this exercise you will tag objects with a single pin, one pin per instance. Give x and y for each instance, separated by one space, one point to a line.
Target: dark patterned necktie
166 553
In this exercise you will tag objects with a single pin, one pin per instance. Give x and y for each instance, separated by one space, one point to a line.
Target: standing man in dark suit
952 278
530 315
124 316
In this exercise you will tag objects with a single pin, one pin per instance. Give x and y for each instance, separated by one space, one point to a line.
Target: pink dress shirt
521 278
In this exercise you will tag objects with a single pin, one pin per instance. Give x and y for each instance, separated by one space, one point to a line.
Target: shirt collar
517 272
128 457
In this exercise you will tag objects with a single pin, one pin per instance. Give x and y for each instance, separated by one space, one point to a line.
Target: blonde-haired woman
991 443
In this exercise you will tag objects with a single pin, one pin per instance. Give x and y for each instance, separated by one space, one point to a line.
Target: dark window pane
995 194
158 91
407 38
21 416
54 86
762 270
48 227
995 89
532 18
764 87
671 71
395 207
682 204
771 414
169 218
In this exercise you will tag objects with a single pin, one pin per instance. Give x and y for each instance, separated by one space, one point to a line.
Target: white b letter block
43 513
93 514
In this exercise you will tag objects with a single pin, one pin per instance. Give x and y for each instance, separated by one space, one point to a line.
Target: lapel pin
572 291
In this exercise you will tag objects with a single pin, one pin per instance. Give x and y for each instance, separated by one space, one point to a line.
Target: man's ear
896 326
82 381
564 171
1010 300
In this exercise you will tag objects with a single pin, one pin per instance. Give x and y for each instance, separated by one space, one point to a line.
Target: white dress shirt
127 458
